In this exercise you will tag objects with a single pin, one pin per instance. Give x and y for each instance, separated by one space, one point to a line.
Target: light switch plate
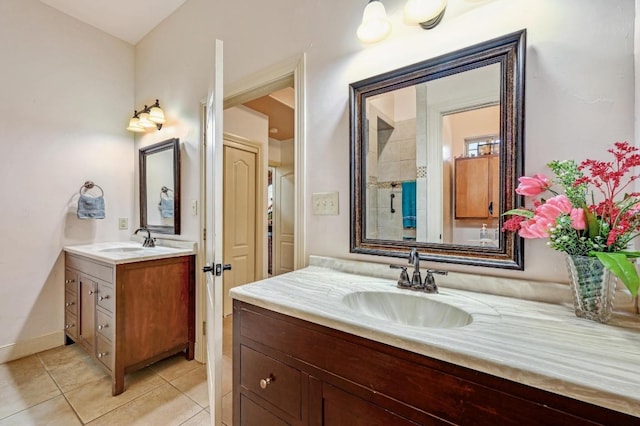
123 223
325 203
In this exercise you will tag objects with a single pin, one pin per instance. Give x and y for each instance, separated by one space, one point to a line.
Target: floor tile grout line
196 414
59 388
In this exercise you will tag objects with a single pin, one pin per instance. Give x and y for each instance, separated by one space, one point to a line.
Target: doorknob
220 268
207 268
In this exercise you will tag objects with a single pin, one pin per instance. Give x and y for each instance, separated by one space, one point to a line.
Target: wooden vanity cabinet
292 372
477 191
130 315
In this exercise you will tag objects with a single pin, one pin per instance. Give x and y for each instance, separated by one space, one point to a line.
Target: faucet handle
437 271
403 281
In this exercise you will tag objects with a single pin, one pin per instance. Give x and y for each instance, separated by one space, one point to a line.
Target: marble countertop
116 253
539 344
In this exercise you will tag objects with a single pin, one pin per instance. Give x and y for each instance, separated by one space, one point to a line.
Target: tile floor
63 386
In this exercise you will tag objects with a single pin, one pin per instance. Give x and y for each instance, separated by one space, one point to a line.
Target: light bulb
375 24
134 125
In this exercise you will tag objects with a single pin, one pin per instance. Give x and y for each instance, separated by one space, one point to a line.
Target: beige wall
579 96
65 95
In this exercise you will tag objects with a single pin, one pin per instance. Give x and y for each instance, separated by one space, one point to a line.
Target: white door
283 220
213 244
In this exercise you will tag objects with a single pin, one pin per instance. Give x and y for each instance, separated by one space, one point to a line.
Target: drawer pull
69 304
102 354
91 291
100 327
69 281
68 326
266 382
102 297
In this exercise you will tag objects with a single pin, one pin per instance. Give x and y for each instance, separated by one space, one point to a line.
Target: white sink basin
407 309
121 249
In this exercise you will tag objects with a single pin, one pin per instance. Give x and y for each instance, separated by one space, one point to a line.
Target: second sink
407 309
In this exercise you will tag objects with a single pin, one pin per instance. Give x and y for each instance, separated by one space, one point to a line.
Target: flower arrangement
602 228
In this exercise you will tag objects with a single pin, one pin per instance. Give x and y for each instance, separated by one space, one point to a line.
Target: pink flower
533 228
554 207
577 219
532 186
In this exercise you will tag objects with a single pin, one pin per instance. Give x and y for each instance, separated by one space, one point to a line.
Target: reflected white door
213 245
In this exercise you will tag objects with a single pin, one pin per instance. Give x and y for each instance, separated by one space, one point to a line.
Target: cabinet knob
102 354
70 304
266 382
68 326
69 281
103 297
91 291
100 327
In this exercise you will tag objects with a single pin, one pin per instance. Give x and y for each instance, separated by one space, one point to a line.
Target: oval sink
407 309
121 249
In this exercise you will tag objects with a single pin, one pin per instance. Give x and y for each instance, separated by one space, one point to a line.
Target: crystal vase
593 288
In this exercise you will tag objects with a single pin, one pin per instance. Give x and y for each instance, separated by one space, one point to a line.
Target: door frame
262 83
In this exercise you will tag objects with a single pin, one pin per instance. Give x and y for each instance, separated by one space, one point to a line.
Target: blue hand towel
166 207
90 207
409 204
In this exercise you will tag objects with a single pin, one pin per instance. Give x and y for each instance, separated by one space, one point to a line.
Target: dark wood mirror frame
144 153
509 52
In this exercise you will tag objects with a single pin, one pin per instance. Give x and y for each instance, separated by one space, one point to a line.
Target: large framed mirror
160 187
436 151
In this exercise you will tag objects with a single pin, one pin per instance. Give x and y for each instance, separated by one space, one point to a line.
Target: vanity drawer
70 281
71 324
71 302
104 324
271 380
105 296
104 351
90 267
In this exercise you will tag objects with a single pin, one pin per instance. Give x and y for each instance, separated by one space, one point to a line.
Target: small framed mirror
436 151
160 187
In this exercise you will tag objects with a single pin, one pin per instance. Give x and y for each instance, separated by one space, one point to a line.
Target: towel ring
90 185
164 189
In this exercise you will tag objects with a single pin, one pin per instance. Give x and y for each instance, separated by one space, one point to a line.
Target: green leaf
520 212
593 225
621 267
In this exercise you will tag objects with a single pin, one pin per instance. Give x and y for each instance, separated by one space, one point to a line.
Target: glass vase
593 288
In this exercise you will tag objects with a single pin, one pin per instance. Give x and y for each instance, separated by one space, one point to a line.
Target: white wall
579 77
66 91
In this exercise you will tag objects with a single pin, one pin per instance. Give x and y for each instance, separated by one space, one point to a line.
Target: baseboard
25 348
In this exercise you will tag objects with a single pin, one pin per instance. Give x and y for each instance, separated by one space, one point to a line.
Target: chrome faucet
148 241
429 285
414 258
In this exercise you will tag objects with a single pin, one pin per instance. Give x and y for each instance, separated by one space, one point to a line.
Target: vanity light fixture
375 25
150 117
427 13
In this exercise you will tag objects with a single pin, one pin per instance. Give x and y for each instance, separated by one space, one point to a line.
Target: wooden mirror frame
509 51
169 144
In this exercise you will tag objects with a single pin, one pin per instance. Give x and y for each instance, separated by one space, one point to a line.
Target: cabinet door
472 187
341 408
87 311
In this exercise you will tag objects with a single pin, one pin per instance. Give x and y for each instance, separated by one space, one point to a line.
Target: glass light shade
134 125
156 115
375 24
417 11
145 122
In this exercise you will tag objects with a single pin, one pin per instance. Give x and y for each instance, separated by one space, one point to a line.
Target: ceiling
278 106
128 20
131 20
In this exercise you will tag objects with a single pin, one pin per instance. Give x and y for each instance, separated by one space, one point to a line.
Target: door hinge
204 328
204 234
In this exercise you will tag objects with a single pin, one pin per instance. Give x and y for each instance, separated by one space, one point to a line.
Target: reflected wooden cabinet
130 315
477 187
292 372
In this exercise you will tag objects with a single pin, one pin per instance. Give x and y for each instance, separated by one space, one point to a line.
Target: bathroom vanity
302 356
129 306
